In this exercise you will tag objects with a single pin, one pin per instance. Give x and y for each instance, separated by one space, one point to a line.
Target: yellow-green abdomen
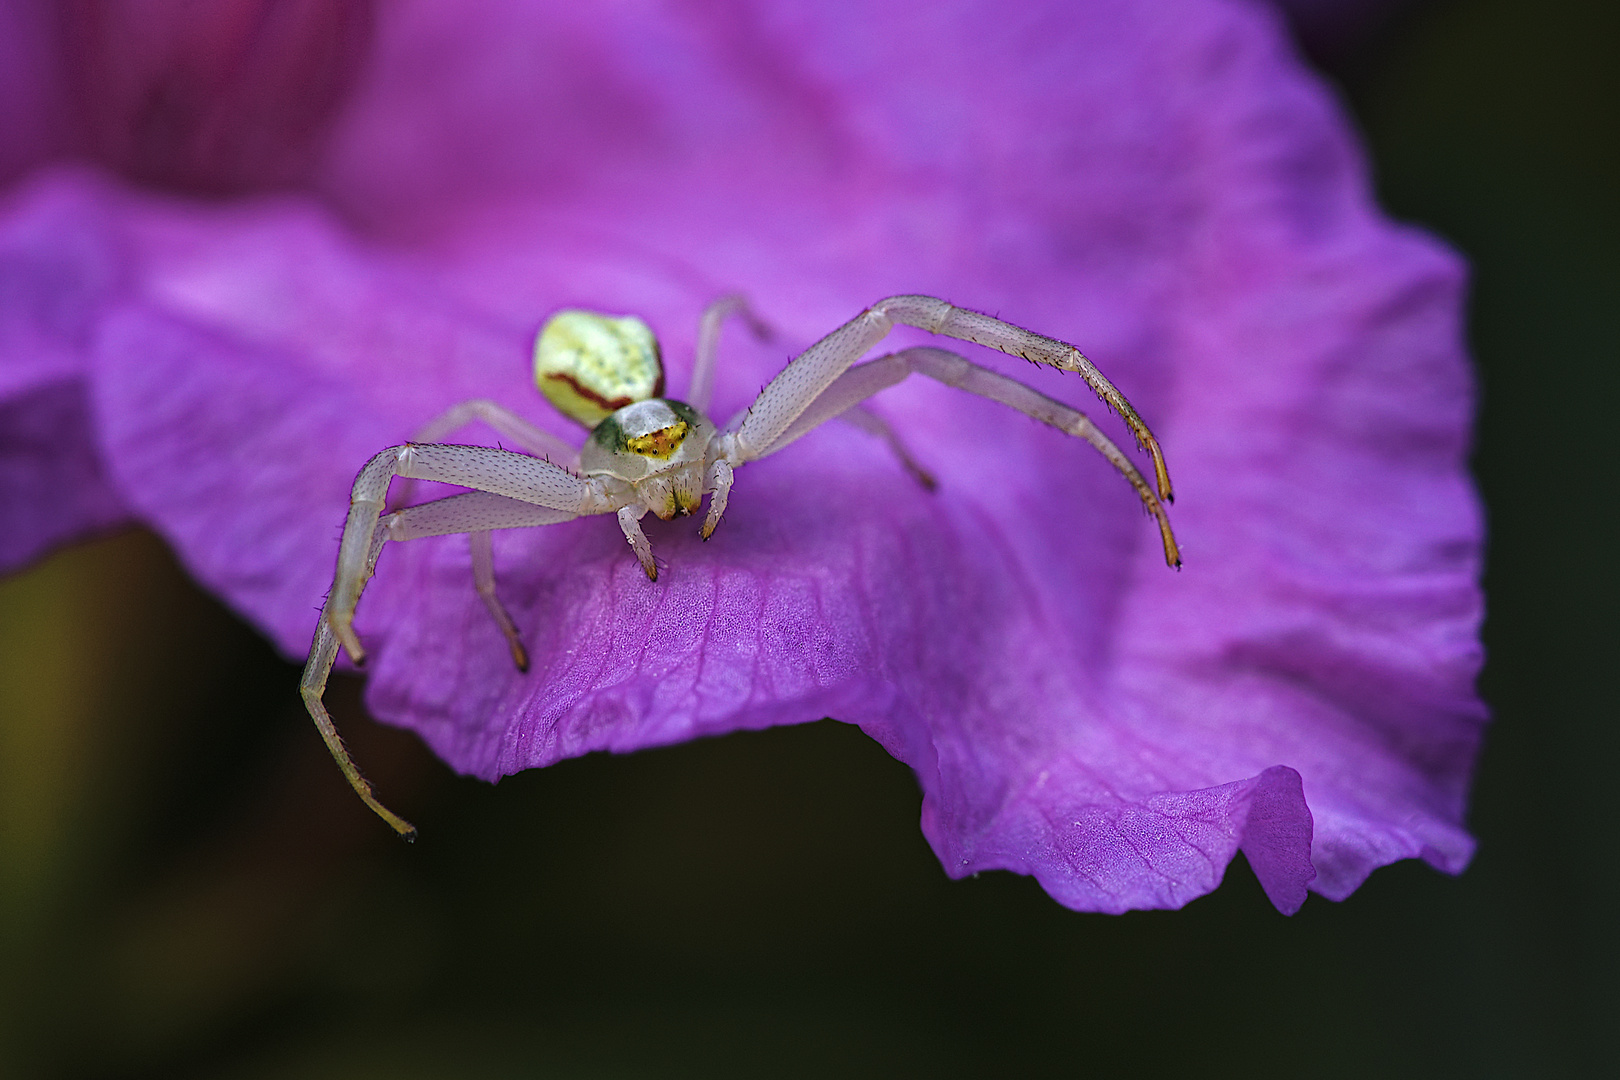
590 366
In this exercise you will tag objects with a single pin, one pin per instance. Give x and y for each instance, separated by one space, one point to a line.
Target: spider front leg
517 431
504 422
322 653
795 387
708 343
804 380
863 380
475 512
500 472
939 317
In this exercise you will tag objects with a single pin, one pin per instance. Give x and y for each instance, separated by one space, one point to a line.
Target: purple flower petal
33 109
1159 184
57 270
221 97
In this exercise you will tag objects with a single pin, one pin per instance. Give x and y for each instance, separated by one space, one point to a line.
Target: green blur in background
189 889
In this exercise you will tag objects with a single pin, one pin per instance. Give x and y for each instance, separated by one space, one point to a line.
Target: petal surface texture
1161 184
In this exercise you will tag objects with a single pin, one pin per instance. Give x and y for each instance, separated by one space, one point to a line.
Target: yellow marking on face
661 443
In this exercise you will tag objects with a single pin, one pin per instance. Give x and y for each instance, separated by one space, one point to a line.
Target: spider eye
661 443
589 365
649 438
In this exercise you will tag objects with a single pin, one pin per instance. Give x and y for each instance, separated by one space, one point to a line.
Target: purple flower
1160 184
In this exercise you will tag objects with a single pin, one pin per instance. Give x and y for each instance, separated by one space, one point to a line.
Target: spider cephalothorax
657 446
647 453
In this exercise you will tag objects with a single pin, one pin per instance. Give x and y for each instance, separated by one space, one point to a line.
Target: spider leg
469 512
630 522
702 391
476 511
322 653
506 423
721 473
521 434
873 424
718 488
803 381
799 384
483 566
708 344
938 317
862 381
499 472
796 389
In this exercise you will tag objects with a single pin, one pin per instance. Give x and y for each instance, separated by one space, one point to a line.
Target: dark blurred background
187 888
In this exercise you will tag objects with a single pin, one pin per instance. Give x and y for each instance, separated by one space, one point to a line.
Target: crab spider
647 453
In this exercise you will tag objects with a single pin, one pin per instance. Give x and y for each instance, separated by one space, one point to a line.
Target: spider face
658 448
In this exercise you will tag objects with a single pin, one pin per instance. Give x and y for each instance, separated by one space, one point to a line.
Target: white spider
650 453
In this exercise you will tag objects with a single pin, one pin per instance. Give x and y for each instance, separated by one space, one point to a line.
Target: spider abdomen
589 365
